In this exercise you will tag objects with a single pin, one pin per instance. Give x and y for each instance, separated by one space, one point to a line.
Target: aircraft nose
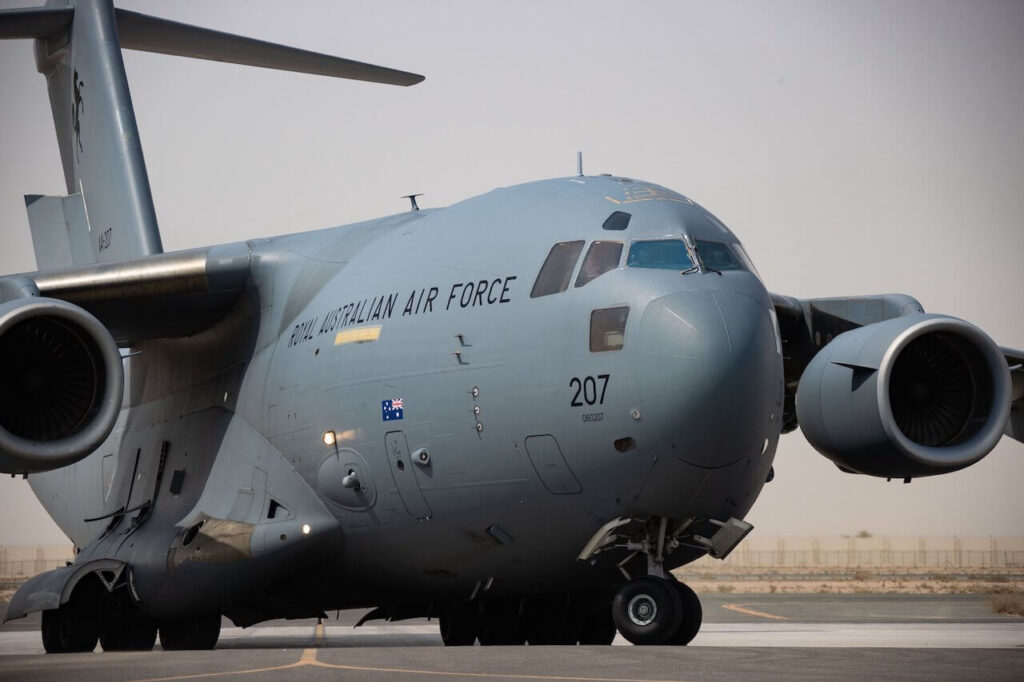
709 374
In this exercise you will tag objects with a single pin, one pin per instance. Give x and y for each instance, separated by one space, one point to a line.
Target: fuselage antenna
579 164
412 201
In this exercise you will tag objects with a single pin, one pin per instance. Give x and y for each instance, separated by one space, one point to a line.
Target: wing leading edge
161 296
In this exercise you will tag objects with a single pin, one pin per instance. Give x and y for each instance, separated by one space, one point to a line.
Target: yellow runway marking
308 659
751 612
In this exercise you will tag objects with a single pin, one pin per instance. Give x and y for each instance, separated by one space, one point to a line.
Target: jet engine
912 396
61 383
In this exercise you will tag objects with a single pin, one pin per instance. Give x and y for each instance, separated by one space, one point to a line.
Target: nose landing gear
656 608
651 610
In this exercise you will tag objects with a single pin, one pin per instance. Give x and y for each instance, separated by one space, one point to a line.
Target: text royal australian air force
472 294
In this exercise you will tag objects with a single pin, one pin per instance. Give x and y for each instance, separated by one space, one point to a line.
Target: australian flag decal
392 409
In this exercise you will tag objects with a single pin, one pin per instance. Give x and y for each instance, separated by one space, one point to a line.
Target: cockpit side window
557 270
718 256
608 328
745 257
601 257
662 254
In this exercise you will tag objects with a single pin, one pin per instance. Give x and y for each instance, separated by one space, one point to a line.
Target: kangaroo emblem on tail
76 111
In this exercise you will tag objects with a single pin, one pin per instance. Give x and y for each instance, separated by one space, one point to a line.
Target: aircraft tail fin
78 49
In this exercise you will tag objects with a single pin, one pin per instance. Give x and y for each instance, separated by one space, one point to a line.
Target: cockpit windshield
718 256
663 254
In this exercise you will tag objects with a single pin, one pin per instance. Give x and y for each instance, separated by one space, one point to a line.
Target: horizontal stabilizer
152 34
34 22
60 231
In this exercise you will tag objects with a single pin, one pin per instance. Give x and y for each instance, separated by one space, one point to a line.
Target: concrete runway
770 637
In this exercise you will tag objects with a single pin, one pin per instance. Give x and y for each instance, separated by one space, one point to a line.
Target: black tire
549 628
200 633
693 615
51 632
501 625
127 631
73 628
459 626
598 628
647 610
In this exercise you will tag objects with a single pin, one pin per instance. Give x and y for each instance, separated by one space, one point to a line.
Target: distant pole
579 164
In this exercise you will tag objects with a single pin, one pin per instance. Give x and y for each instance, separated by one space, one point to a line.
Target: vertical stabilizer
109 214
96 131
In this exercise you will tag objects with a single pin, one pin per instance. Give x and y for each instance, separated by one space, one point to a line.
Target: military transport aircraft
522 443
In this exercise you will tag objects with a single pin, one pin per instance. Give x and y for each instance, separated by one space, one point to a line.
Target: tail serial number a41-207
517 414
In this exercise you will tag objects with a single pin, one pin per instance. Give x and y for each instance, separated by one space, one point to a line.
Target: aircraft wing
160 296
808 325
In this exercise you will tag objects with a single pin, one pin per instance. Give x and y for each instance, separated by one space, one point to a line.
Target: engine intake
61 383
912 396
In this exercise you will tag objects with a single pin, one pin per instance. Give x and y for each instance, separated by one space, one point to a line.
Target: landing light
329 438
305 529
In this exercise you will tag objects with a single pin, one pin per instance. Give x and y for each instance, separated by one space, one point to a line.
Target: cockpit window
556 272
619 220
718 256
664 254
745 257
601 257
608 328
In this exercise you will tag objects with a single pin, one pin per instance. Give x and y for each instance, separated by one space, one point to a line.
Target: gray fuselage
516 440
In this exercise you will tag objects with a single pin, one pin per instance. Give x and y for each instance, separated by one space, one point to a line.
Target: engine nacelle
912 396
61 383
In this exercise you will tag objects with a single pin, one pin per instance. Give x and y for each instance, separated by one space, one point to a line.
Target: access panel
404 475
547 459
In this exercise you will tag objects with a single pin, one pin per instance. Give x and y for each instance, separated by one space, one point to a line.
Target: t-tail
108 214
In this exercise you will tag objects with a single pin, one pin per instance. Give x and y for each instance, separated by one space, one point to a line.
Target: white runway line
1008 635
889 635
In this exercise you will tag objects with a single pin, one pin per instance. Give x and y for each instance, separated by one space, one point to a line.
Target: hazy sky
855 147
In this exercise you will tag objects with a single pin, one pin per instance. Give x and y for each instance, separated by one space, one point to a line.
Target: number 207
587 389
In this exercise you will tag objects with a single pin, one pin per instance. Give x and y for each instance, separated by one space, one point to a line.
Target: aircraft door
404 474
553 470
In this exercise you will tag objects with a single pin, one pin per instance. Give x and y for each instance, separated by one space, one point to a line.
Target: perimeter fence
937 553
18 562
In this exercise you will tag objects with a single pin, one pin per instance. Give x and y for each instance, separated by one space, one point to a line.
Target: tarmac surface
758 636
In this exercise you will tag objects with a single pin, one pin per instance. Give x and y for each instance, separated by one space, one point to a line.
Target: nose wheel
649 610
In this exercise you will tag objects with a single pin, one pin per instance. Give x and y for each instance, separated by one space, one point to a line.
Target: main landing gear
95 613
564 619
75 628
200 632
